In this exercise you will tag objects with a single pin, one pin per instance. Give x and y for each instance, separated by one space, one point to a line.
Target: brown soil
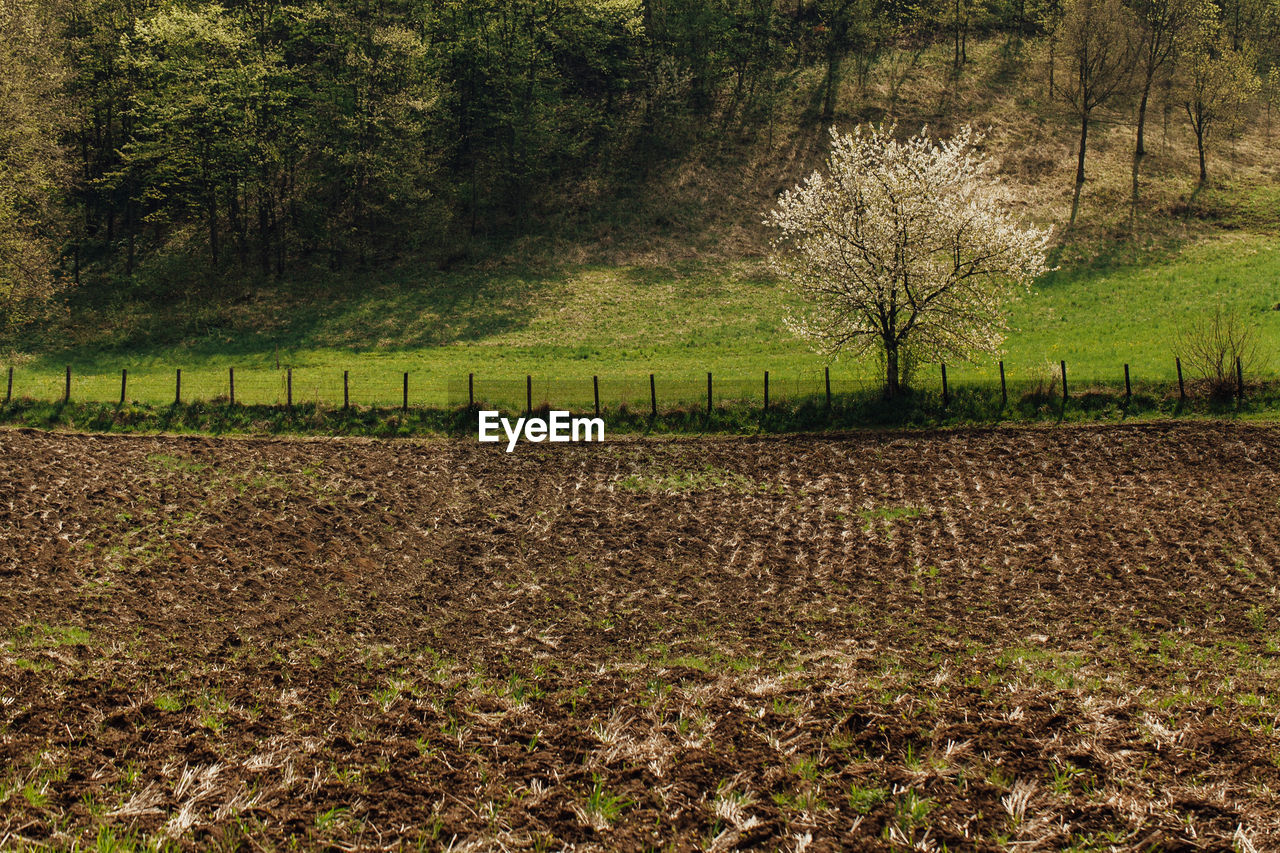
989 640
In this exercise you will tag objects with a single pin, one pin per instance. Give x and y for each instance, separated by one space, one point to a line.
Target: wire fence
328 388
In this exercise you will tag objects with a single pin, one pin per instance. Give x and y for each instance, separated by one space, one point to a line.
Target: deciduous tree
1163 27
1099 45
1219 81
32 165
907 247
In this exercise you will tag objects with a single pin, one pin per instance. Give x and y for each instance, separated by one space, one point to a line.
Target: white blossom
906 246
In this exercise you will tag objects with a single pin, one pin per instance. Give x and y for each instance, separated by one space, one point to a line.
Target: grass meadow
621 323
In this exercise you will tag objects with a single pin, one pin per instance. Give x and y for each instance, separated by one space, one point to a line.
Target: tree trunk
955 59
1138 150
1053 43
264 232
892 388
130 226
1084 138
212 206
1204 174
236 222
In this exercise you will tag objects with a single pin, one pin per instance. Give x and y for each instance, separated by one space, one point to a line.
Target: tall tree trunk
1084 138
236 223
1198 126
264 232
130 227
1053 44
1139 151
955 58
1204 174
211 206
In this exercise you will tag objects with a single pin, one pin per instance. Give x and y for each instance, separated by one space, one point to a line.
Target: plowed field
990 640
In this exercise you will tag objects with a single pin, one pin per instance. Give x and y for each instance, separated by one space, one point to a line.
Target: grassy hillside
620 323
665 275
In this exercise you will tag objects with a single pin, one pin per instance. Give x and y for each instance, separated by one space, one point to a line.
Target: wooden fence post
124 381
1064 381
177 387
1239 379
653 396
766 390
404 399
288 387
946 394
8 394
1004 389
1128 389
471 390
1182 389
231 385
827 373
66 394
595 391
346 390
528 394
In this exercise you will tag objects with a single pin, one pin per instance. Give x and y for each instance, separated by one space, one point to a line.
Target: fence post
946 394
471 390
708 393
1239 379
1182 389
231 384
288 387
653 396
8 394
177 387
1004 389
595 390
404 399
766 390
346 390
528 394
1128 389
124 379
827 373
1064 381
66 394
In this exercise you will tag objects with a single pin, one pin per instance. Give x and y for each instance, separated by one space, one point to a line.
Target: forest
255 138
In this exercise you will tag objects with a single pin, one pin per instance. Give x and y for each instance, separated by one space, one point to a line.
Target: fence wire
369 387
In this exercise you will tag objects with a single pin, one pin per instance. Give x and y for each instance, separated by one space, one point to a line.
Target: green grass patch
969 405
564 326
872 518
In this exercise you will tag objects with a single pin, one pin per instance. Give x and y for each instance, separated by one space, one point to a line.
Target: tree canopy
260 137
905 246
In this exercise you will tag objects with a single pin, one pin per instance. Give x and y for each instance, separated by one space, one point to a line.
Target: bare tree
1099 46
1164 25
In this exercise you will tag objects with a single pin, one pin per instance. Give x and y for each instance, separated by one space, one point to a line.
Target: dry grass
710 204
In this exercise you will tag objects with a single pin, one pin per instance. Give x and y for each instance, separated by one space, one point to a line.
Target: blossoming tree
906 246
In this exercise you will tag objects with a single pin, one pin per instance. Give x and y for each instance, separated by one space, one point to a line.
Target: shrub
1211 344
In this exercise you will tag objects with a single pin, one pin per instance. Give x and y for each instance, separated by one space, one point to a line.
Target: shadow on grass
403 309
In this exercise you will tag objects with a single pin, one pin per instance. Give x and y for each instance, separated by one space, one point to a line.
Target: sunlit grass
618 323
